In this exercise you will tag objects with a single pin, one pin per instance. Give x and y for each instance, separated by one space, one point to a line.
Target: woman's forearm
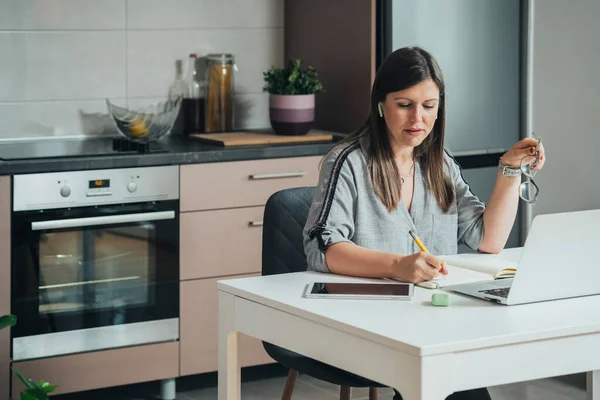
346 258
500 212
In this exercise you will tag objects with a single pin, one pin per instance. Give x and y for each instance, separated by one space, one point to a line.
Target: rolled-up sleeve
469 207
331 216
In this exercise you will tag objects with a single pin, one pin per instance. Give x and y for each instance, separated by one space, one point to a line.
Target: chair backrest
285 215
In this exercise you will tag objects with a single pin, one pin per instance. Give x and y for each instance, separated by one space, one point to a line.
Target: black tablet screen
387 289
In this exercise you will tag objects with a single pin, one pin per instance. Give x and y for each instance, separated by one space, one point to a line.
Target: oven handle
112 219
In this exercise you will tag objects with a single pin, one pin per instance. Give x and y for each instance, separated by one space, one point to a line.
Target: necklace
406 176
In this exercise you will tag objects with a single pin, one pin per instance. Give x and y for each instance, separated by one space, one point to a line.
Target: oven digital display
99 183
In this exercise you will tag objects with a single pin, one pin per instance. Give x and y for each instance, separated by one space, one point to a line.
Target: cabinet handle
278 175
255 223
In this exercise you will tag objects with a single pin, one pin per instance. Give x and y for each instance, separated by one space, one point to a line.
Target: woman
393 176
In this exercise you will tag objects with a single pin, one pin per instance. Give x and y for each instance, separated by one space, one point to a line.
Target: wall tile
62 65
54 118
187 14
12 68
62 14
67 56
152 54
252 111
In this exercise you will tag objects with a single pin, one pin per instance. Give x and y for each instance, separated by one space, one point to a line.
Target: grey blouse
346 208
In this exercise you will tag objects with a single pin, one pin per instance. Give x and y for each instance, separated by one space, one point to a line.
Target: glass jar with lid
219 92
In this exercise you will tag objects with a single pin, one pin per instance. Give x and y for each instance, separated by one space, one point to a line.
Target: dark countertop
180 150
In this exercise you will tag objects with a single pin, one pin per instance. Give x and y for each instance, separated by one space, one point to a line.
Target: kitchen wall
62 58
565 103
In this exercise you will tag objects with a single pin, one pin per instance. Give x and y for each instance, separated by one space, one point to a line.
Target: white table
425 352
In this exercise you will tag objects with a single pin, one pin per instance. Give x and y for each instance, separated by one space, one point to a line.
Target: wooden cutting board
256 138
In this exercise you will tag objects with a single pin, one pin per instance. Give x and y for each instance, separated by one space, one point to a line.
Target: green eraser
440 299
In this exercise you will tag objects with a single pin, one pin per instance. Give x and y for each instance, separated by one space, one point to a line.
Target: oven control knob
65 191
132 187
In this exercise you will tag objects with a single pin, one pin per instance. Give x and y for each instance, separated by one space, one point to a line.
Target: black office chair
283 252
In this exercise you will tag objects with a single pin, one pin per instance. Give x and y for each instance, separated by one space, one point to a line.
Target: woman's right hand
419 267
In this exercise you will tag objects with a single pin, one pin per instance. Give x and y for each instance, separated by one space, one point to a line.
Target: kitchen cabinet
100 369
4 283
222 207
221 242
198 330
242 183
342 46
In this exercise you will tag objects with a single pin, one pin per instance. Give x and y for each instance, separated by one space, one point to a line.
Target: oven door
94 278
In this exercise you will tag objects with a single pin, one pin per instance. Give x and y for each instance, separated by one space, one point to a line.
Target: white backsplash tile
12 69
152 54
252 111
62 58
64 65
54 118
62 14
186 14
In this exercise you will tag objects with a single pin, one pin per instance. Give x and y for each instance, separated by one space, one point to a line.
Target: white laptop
560 259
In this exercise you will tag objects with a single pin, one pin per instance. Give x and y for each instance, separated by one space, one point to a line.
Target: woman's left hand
522 148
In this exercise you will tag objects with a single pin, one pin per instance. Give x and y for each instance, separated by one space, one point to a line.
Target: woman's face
410 114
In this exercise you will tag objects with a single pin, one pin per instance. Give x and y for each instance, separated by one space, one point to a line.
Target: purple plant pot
292 114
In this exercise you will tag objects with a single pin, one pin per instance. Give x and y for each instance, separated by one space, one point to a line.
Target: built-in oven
95 260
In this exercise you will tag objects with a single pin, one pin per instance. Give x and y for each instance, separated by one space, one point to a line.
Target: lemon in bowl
147 124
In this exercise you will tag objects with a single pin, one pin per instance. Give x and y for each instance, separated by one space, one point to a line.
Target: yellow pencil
418 242
422 246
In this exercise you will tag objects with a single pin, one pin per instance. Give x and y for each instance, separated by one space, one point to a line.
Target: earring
380 110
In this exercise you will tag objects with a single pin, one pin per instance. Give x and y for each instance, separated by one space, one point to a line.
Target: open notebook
476 267
456 276
499 266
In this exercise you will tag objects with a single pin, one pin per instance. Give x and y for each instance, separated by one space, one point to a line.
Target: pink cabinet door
243 183
221 242
198 330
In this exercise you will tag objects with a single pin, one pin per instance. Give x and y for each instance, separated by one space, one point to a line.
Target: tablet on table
360 290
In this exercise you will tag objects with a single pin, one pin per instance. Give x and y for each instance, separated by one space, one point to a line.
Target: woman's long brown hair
402 69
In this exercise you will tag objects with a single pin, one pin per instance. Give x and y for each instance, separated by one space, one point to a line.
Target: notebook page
486 263
457 276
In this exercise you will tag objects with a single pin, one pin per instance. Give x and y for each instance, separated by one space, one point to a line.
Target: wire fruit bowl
147 124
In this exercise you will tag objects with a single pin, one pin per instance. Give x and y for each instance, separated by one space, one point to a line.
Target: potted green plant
32 390
292 97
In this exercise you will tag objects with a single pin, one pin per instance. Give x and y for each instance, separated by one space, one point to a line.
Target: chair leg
373 393
289 385
345 392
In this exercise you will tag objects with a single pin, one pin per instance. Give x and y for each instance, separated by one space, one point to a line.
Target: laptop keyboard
500 292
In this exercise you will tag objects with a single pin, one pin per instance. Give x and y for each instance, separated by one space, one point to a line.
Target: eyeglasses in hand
529 191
